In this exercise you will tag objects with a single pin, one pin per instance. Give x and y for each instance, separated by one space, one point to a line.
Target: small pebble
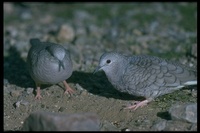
29 90
15 93
25 103
61 109
17 104
79 87
84 93
5 82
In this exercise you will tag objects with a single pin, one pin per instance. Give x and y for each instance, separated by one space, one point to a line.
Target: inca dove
49 63
146 76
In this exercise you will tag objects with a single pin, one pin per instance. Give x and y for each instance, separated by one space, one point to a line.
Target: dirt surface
167 30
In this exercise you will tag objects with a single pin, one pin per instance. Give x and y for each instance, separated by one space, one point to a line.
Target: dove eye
108 61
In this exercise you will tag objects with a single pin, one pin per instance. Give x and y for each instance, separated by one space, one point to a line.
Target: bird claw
69 91
38 96
137 104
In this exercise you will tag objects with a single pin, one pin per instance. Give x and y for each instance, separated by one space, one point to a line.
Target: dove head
111 62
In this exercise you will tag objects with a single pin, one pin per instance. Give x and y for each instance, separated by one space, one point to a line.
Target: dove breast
48 63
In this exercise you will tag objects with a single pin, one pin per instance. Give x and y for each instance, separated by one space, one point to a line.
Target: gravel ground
87 30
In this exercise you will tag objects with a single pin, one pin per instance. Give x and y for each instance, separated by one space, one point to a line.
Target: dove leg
68 89
138 104
38 96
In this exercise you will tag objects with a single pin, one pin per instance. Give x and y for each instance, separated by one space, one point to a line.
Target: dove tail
191 83
61 65
34 41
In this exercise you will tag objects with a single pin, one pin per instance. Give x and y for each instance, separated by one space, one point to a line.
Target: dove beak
97 69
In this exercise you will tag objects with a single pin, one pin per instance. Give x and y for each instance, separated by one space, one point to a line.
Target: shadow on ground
164 115
98 84
15 70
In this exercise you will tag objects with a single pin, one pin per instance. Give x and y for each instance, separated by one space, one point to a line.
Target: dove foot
68 89
38 96
137 104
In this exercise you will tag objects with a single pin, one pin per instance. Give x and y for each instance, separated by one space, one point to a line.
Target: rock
66 33
79 87
186 112
193 127
6 90
194 50
107 126
47 121
29 90
171 125
46 19
177 126
61 109
25 103
26 15
5 82
17 104
8 8
194 92
159 125
15 93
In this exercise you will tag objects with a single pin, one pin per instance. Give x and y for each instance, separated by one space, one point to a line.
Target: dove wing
151 76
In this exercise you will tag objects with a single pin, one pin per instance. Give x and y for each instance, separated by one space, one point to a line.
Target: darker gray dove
145 76
49 63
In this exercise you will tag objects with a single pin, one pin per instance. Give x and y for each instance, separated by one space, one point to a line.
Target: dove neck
117 71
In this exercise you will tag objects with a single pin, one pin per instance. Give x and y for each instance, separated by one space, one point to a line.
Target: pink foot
38 96
137 104
68 89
